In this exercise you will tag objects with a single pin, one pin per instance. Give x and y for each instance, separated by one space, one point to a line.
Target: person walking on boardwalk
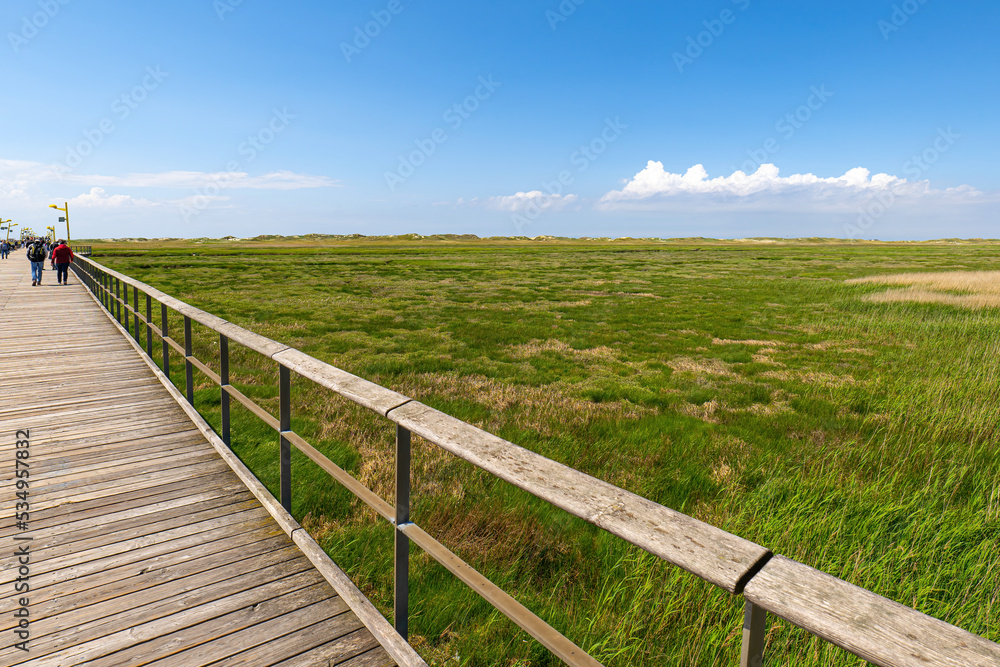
36 254
62 257
4 249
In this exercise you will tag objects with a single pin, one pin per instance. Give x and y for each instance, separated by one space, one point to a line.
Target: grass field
757 386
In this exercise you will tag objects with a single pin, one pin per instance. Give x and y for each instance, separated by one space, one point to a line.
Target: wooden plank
365 494
337 651
234 523
266 624
92 426
870 626
113 582
109 584
341 630
122 468
560 646
73 456
62 518
248 403
81 491
377 657
150 600
138 527
709 552
365 393
95 639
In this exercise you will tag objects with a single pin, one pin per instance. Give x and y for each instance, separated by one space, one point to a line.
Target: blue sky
572 118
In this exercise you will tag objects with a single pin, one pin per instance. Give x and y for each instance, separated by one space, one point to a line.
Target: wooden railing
84 250
866 624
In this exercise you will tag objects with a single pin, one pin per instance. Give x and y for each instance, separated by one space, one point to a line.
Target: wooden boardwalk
145 546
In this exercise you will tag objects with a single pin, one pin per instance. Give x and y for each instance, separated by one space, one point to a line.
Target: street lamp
8 228
53 230
64 209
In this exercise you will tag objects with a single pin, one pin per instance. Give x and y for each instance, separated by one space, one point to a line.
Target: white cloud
18 175
534 200
654 185
275 180
98 198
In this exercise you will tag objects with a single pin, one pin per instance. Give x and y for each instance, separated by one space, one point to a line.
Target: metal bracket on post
223 382
754 631
285 424
188 366
402 547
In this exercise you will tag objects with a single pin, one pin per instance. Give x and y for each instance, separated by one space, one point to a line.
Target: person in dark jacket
36 254
62 257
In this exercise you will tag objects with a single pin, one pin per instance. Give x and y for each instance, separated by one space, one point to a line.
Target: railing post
285 424
754 630
402 546
188 366
224 381
164 333
118 299
135 313
149 326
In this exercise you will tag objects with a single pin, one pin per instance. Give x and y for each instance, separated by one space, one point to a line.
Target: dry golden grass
810 377
766 343
706 366
536 347
539 408
966 289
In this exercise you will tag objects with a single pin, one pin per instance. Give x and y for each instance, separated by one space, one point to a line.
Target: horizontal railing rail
866 624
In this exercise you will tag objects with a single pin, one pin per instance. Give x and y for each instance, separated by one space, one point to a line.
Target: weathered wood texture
870 626
145 544
713 554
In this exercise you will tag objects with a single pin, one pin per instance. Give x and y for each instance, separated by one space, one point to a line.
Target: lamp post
53 230
64 209
8 228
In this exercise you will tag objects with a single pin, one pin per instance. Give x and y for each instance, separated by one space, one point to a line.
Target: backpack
36 253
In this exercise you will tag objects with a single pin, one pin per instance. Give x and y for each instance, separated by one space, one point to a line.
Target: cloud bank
654 185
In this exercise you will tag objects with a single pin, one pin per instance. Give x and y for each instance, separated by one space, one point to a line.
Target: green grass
744 384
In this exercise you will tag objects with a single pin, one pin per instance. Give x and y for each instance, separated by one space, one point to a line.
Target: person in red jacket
62 256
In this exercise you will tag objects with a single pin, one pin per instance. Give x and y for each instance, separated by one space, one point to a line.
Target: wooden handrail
877 629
